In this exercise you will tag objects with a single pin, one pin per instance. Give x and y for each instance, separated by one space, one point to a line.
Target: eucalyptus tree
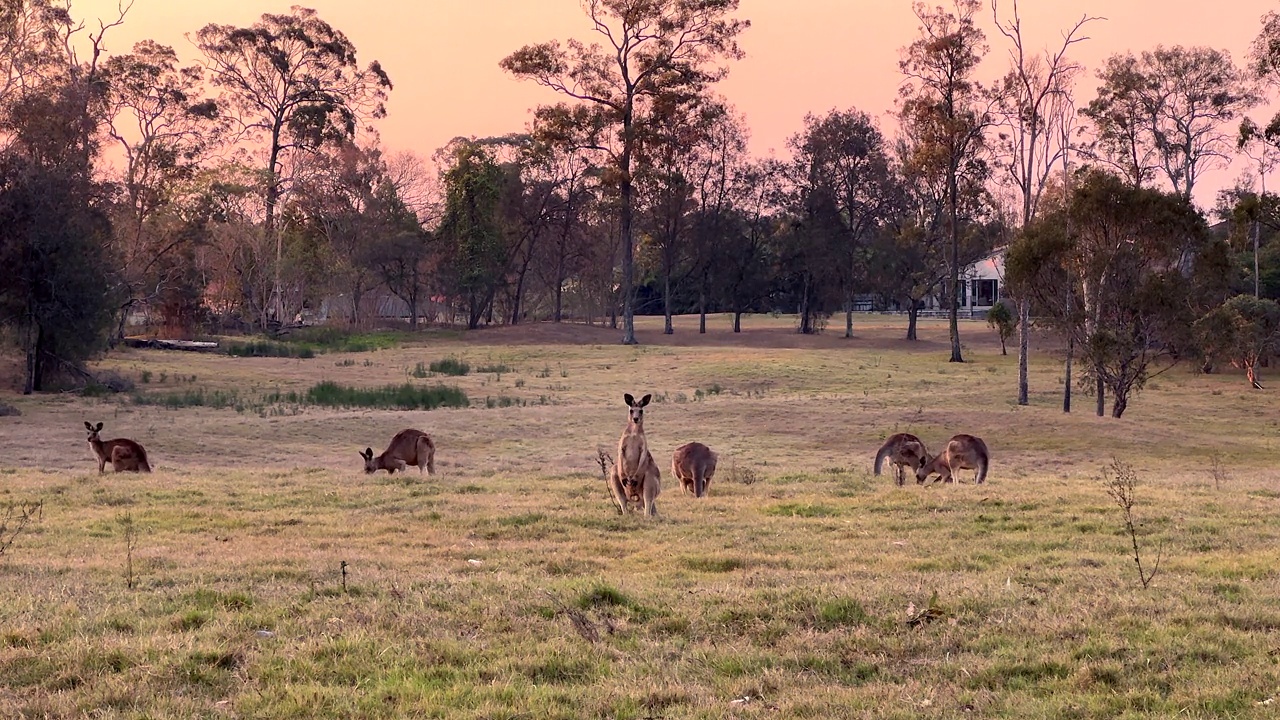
949 112
657 53
1167 112
1116 282
164 129
845 153
1033 111
292 82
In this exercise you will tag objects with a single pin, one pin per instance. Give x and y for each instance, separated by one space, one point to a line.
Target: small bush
450 366
498 369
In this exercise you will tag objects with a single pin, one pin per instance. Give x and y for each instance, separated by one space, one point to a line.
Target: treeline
248 190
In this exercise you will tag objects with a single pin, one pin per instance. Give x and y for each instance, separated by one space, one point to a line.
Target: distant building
981 287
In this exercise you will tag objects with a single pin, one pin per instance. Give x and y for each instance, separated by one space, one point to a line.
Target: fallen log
161 344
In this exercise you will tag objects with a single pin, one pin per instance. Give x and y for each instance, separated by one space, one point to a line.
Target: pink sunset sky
802 55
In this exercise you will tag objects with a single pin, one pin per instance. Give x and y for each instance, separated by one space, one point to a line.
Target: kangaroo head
370 465
922 470
636 412
93 430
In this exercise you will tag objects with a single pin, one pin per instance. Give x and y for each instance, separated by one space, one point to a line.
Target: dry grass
507 587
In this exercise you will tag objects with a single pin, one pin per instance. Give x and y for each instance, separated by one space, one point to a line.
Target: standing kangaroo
635 476
902 450
408 447
963 452
124 455
693 464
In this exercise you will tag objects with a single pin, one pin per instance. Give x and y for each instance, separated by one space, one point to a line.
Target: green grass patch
388 397
808 510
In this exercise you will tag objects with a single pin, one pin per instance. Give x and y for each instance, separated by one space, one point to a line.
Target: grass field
271 578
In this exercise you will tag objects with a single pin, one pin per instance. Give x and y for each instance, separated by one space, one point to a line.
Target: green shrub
450 366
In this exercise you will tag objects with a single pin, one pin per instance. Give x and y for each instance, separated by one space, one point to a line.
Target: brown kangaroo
693 464
635 476
902 450
408 447
124 455
962 452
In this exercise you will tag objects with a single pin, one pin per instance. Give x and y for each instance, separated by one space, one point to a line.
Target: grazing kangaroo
693 464
635 476
902 450
408 447
124 455
962 452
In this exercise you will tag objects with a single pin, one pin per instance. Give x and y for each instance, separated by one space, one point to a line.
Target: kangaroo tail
881 454
143 463
982 471
699 482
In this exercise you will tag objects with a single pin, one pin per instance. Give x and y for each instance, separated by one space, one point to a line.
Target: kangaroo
693 464
902 450
408 447
124 455
635 476
962 452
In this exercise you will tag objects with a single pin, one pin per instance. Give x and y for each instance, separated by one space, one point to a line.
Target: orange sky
802 55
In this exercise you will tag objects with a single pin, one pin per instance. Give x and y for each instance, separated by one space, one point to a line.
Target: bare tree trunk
702 309
1101 390
913 314
1024 348
737 321
954 217
628 252
1066 389
666 303
848 315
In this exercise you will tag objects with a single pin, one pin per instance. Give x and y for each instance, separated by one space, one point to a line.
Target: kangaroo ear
88 426
631 402
99 428
644 400
368 453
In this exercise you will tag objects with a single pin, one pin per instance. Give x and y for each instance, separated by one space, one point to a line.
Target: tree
749 232
659 52
33 47
1120 283
844 153
53 231
1167 109
1003 321
944 103
1033 107
1243 330
164 129
471 237
294 80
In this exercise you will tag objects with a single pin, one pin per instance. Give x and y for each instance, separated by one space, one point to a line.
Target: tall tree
946 106
1033 106
164 129
471 237
293 80
844 153
656 50
54 228
1170 108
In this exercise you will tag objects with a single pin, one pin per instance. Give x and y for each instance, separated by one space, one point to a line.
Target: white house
981 287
